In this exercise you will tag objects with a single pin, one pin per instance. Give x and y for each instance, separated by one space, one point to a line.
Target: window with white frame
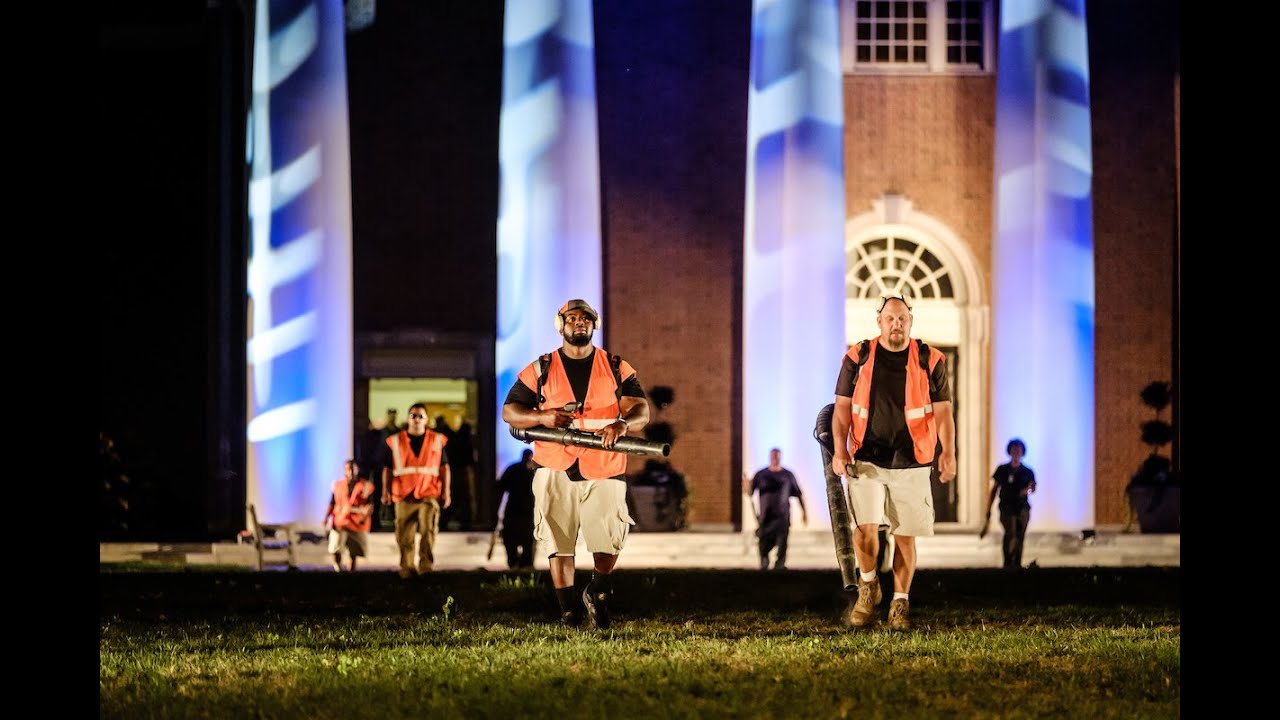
889 264
917 36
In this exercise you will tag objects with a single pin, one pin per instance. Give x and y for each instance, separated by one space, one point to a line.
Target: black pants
1015 529
519 544
774 532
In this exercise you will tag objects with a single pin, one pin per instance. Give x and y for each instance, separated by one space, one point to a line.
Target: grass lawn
1057 642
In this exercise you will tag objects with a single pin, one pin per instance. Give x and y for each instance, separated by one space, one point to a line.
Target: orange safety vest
919 408
600 409
353 510
417 474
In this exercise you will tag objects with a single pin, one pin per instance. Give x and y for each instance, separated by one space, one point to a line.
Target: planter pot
1158 507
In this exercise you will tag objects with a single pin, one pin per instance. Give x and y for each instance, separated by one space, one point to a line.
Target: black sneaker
597 605
569 618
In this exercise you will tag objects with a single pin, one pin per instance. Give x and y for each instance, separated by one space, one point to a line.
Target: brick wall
1134 178
671 81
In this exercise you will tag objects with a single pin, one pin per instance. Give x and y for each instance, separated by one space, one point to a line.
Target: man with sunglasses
416 469
892 414
579 489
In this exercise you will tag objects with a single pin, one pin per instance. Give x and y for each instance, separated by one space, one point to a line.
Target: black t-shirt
579 374
776 489
463 449
517 483
887 442
1012 481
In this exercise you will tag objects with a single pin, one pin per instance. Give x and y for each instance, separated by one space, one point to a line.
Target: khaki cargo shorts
355 542
562 508
903 498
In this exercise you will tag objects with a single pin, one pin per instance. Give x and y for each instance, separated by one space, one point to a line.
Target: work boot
869 596
899 615
597 604
569 618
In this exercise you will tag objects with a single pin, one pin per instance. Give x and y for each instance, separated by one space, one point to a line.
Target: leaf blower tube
841 519
841 528
569 436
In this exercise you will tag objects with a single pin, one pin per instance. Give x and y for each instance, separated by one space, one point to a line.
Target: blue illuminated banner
549 201
299 349
1042 258
793 289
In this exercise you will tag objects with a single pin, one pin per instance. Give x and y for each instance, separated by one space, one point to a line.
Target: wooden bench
273 537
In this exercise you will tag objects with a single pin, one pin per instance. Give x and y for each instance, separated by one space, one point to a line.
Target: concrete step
807 549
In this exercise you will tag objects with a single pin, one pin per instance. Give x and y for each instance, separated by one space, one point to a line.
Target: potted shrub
1155 496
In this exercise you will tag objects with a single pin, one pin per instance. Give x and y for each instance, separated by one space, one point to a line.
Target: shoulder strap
863 347
544 367
615 363
922 349
862 352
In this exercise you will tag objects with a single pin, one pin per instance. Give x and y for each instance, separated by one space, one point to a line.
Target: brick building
918 150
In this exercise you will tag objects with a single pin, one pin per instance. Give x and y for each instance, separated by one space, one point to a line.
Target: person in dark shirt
1013 482
775 486
515 489
580 489
892 415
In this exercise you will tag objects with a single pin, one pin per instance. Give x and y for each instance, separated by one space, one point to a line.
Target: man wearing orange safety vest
578 488
351 512
892 410
416 469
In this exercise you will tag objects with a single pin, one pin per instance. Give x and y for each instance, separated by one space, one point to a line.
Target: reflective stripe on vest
422 478
600 409
917 413
919 406
422 469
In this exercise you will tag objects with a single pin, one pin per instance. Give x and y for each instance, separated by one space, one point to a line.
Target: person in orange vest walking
416 469
580 489
892 413
350 515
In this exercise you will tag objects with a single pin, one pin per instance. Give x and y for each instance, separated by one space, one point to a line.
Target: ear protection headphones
576 305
